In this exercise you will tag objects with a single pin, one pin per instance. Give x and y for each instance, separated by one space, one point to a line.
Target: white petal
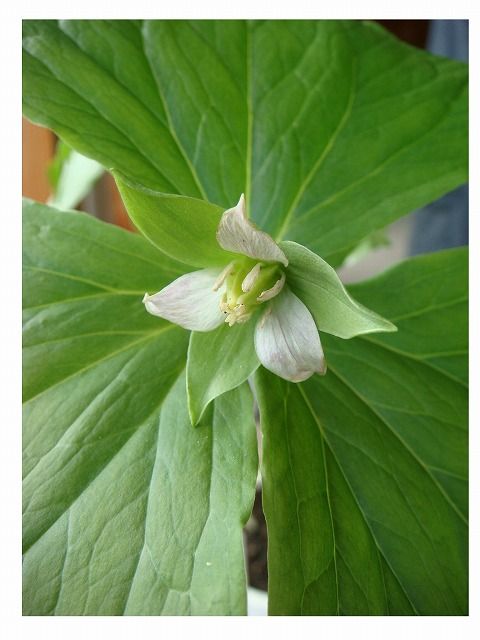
236 233
275 290
287 340
189 301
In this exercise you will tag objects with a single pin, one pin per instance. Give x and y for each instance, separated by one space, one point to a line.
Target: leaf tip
390 327
194 413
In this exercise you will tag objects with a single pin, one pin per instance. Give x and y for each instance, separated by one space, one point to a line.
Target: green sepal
181 227
317 284
218 361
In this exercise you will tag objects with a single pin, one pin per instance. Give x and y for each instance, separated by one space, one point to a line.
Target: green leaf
108 111
428 300
218 361
368 118
126 508
333 129
320 288
184 228
202 70
365 469
432 291
73 177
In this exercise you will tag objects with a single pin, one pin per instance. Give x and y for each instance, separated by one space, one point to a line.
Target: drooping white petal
236 233
189 301
273 291
287 341
251 277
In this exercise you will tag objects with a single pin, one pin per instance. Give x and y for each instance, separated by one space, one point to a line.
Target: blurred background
54 174
443 223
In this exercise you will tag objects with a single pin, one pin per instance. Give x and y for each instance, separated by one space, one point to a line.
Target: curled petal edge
237 234
190 301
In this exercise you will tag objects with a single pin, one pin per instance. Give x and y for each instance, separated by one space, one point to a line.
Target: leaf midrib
116 248
378 169
367 524
411 356
70 276
430 308
92 334
132 146
280 235
412 453
87 296
332 523
149 336
107 463
172 130
249 152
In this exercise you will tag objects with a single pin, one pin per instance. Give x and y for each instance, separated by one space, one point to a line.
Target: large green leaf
204 71
113 113
332 128
365 469
127 508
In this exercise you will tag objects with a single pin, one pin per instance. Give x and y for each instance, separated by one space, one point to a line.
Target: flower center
248 285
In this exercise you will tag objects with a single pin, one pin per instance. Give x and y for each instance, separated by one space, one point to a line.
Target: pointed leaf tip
218 361
334 310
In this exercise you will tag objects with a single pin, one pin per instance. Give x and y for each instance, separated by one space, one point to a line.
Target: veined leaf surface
127 508
368 464
333 129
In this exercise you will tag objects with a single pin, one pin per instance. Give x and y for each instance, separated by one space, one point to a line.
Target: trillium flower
253 288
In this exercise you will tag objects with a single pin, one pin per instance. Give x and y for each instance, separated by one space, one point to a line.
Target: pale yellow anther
236 314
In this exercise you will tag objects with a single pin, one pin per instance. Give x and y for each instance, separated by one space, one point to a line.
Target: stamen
238 314
246 287
251 278
223 276
244 318
271 293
